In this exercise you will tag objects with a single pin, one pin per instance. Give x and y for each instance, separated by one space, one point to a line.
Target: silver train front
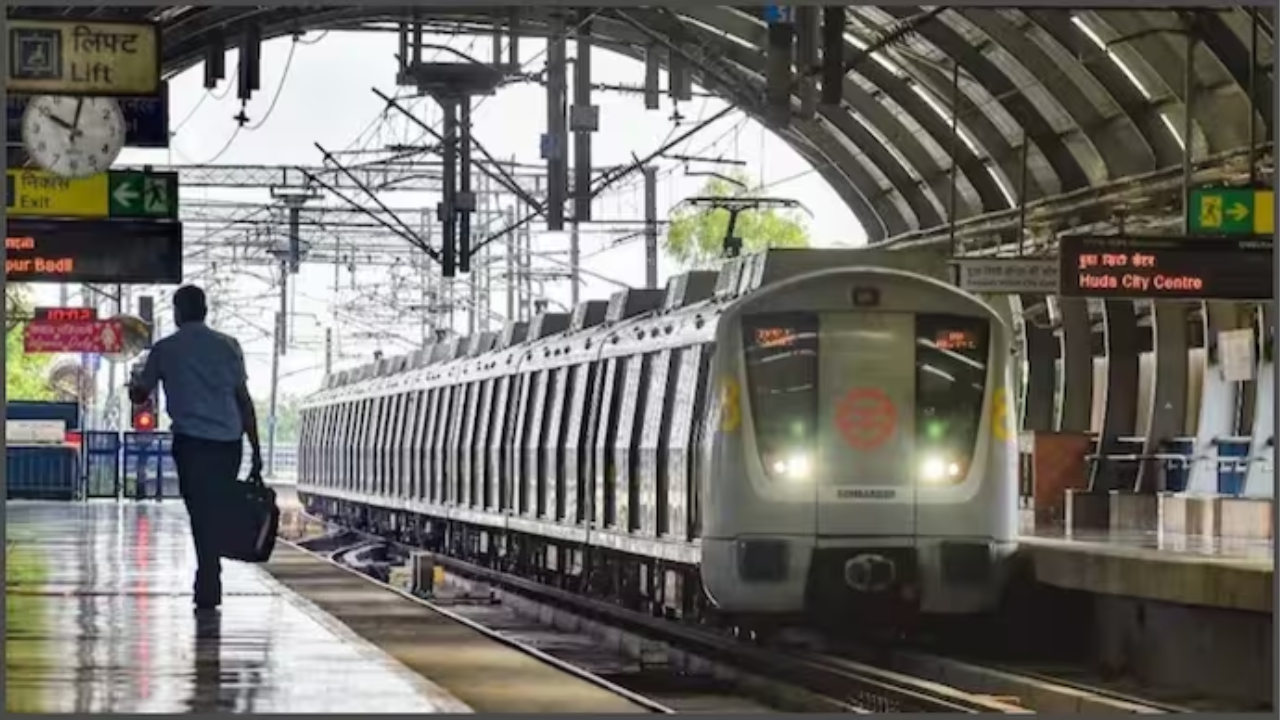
814 433
865 453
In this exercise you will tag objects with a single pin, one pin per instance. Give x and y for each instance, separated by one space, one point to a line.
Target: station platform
100 619
1175 568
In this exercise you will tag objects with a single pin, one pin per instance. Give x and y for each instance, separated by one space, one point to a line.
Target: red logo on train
867 418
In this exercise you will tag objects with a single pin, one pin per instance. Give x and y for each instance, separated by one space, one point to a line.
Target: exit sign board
1232 211
114 194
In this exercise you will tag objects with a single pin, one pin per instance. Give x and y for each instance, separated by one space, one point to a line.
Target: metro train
804 434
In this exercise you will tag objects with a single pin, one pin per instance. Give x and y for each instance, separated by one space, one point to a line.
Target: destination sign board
1008 276
65 314
117 194
71 57
1232 211
1173 268
146 119
93 251
81 336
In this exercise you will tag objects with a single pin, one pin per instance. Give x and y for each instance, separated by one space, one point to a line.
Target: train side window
400 448
472 451
589 505
318 432
626 443
534 476
462 455
519 438
480 444
438 443
430 472
495 494
409 451
606 437
354 415
552 443
359 457
389 446
673 509
384 436
454 442
570 501
342 419
651 476
702 436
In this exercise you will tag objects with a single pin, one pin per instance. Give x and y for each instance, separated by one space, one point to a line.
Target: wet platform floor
1170 547
100 619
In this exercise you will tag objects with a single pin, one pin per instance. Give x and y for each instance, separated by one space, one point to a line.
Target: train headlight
938 469
795 466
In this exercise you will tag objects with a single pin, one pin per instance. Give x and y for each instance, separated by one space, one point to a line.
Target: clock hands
75 122
56 120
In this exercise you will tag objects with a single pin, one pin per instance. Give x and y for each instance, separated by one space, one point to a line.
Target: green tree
25 376
695 237
288 418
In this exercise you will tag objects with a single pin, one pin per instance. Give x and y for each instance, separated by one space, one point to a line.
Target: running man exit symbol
155 196
1211 211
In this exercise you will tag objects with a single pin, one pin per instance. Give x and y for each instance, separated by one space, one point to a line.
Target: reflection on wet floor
1198 547
100 619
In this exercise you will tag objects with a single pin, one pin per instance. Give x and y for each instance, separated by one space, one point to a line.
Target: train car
807 433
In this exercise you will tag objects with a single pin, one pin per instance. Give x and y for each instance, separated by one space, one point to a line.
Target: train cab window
782 378
951 379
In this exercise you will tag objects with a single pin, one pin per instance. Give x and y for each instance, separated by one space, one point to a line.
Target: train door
866 424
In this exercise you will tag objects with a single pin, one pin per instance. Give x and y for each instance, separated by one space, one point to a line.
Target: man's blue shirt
202 369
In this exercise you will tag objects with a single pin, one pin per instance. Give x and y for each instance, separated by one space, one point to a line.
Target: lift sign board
65 57
1173 268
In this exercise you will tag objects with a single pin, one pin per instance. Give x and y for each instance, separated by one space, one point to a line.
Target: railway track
790 679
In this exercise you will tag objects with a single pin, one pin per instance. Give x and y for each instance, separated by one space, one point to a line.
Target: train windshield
782 375
788 381
951 376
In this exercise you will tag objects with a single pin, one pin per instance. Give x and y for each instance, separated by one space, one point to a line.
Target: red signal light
144 415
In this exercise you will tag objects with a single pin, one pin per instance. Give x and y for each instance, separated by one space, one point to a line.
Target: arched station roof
1098 95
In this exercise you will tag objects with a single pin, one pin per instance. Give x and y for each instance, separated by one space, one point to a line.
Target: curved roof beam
1102 69
978 190
898 177
1068 169
1117 146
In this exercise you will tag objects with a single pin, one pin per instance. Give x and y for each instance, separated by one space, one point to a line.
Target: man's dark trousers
206 470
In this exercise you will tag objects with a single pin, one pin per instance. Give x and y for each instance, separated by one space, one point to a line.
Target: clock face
73 136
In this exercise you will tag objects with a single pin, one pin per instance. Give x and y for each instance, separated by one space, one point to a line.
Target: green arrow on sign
143 195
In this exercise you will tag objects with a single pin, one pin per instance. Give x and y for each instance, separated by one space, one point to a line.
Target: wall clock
73 137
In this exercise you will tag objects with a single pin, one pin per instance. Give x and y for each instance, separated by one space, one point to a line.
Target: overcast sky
326 97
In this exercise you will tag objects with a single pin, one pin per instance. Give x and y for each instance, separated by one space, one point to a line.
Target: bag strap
255 478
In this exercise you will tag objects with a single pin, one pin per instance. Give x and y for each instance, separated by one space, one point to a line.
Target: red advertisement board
85 336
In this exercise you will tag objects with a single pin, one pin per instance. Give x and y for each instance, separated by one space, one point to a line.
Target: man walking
207 398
